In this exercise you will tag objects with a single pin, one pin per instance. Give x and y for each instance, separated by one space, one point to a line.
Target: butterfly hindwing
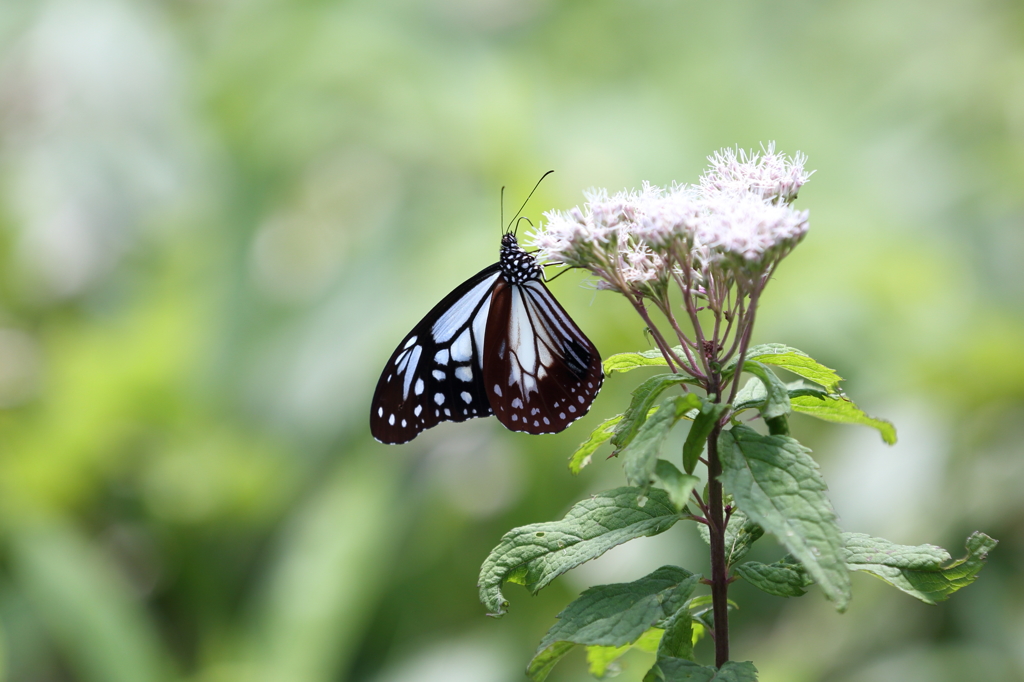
542 373
435 374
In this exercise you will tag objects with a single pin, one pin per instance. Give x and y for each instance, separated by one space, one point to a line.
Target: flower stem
663 346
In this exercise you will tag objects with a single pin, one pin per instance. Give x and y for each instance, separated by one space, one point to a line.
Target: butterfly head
517 266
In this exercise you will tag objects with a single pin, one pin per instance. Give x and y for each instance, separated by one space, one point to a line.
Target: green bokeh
218 217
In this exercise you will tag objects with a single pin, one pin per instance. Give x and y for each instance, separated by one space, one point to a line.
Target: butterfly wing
435 374
541 372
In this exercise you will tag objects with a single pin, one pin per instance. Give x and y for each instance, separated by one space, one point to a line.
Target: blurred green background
218 217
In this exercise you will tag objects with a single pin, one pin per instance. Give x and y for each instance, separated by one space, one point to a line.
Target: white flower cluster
733 226
770 174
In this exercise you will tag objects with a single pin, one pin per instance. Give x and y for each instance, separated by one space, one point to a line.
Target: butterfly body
498 344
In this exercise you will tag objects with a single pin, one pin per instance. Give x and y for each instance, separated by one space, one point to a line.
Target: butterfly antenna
521 219
509 228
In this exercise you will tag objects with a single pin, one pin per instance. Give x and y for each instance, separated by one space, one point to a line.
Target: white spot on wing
462 347
464 373
439 398
419 387
441 356
467 397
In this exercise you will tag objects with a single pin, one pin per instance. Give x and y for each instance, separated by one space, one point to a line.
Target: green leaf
776 402
797 362
840 409
678 485
703 425
625 362
640 457
544 661
780 579
603 432
614 616
752 394
774 480
678 638
740 534
777 426
535 555
924 571
815 402
682 670
640 407
600 658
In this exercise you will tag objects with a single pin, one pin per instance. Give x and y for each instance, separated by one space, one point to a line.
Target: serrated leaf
924 571
682 670
640 407
678 485
599 658
625 362
640 457
535 555
776 402
780 579
776 483
703 425
678 638
797 362
602 433
614 616
842 410
544 662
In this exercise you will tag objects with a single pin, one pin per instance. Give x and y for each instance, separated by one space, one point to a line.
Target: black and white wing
436 373
542 373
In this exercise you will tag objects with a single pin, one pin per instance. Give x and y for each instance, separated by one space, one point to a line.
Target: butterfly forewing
542 373
435 374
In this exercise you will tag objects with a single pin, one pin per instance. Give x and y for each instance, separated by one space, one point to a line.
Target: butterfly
498 344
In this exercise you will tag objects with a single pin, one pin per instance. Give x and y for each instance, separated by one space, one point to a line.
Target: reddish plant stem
666 350
719 571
